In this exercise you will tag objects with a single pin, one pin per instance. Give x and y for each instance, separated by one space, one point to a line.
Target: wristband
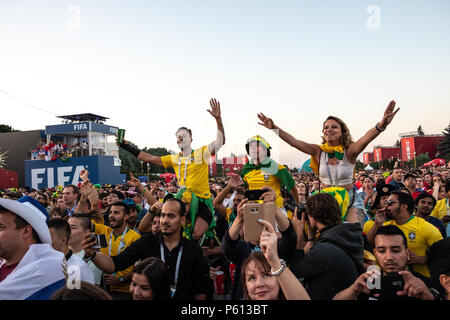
133 150
91 257
143 191
380 129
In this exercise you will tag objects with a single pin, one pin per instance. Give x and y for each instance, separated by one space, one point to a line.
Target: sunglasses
390 202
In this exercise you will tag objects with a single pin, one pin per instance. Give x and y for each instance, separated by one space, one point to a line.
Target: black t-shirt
193 271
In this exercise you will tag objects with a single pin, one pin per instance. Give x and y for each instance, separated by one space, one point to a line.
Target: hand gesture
84 175
389 114
380 217
266 122
268 243
240 210
414 287
215 108
134 181
234 181
86 188
299 225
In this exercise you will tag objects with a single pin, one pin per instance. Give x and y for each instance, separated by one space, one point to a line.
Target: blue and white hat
32 212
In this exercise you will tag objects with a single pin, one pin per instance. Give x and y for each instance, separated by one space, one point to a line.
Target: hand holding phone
253 195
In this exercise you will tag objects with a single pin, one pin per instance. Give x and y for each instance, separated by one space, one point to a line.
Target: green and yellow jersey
268 173
117 244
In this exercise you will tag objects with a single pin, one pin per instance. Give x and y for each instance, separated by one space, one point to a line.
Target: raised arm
291 286
356 148
232 183
311 149
143 156
220 140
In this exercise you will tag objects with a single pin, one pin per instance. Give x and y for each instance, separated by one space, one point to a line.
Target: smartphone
390 284
100 241
252 213
253 195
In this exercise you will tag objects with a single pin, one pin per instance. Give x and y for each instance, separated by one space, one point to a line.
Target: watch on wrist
121 279
280 270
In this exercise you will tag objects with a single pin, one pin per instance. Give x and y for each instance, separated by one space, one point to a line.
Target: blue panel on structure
80 127
48 174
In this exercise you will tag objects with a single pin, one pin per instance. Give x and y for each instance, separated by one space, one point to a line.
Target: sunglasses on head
390 202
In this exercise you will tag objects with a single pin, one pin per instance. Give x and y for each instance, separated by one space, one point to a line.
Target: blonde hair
346 139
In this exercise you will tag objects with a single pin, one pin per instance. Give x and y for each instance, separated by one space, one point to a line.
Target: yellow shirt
420 235
192 171
118 244
441 209
258 178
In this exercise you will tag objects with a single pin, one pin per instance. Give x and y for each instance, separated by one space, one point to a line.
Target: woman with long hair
334 160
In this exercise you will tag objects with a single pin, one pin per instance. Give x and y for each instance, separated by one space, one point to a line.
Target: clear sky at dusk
152 66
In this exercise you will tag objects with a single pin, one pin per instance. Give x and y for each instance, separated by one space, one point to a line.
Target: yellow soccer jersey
270 174
420 235
192 172
118 244
441 209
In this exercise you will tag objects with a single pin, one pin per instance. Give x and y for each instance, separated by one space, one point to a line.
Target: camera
100 240
291 205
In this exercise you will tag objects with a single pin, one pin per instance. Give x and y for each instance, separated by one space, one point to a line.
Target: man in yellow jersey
191 168
262 171
442 208
118 237
419 233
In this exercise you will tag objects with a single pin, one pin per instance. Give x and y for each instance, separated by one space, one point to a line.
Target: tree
420 131
444 145
131 164
6 128
398 144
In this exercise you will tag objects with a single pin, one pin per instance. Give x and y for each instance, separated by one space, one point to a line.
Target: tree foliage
444 145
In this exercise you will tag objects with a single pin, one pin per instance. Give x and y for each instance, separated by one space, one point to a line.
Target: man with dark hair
70 196
419 233
113 197
191 169
31 269
425 204
118 237
392 254
333 258
397 179
188 271
439 264
60 232
410 183
80 224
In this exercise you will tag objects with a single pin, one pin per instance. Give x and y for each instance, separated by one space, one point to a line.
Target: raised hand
389 114
234 181
134 181
268 243
215 108
266 122
84 175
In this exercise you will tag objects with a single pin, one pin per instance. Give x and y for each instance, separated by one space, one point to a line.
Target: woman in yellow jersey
335 158
262 171
191 168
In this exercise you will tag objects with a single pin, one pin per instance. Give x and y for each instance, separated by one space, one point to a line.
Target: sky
152 67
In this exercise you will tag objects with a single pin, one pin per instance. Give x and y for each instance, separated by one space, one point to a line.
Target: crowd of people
330 234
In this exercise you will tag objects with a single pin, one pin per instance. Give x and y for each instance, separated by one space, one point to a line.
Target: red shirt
6 270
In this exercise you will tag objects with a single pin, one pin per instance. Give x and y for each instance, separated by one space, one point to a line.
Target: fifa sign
51 177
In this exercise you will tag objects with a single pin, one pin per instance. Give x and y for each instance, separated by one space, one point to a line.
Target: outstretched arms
356 148
307 148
